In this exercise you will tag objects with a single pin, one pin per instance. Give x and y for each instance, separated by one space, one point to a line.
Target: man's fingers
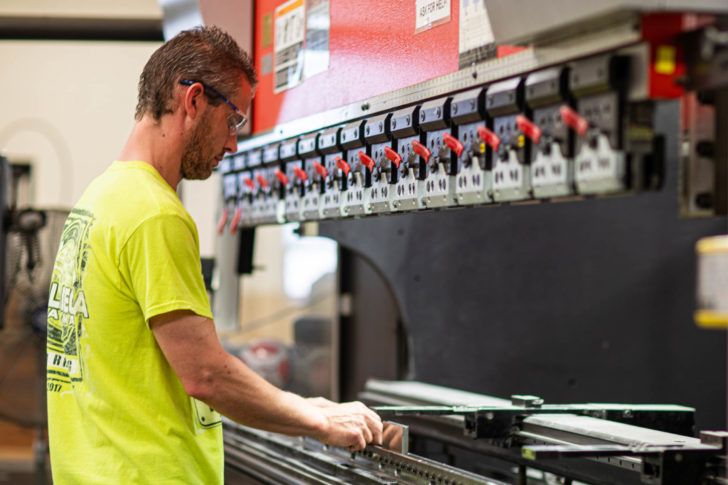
360 443
374 422
378 434
353 425
367 433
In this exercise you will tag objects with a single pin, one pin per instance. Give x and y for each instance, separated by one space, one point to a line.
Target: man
136 374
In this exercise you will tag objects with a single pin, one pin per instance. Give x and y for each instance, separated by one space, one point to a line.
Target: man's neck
158 143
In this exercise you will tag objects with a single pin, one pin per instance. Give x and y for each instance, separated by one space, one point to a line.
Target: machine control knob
453 143
366 160
528 128
421 150
223 220
392 156
489 137
340 163
262 181
320 169
574 120
302 176
281 177
236 219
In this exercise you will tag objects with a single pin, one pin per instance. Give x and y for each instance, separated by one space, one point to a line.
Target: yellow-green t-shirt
117 412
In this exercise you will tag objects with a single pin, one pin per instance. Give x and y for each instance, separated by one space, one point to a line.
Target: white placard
475 30
290 31
430 13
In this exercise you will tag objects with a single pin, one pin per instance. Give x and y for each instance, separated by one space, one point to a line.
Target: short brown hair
202 54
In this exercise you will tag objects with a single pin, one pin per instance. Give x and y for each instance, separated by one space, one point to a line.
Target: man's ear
194 101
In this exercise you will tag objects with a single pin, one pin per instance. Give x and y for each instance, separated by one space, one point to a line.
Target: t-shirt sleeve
160 263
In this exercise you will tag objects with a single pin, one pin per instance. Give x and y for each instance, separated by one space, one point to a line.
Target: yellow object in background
665 59
712 282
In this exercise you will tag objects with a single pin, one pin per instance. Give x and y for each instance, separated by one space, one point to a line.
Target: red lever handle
249 182
574 120
393 156
489 137
300 174
343 166
262 181
366 160
236 219
223 220
421 150
281 176
320 169
453 143
528 128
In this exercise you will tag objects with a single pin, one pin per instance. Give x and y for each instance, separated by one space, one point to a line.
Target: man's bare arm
209 373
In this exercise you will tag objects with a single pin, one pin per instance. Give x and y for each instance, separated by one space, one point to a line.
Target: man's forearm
237 392
212 375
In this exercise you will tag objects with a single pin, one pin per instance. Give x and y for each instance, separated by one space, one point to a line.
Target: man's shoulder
131 187
123 200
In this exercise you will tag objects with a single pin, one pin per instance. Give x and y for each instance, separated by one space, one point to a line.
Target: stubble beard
197 156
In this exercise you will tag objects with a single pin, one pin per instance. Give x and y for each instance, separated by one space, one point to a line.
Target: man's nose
231 143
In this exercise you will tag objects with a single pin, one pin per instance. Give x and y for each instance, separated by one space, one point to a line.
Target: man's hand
321 402
351 425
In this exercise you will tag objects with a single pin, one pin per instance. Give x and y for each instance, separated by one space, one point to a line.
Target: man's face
199 156
211 139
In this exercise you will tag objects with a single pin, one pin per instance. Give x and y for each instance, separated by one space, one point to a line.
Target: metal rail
283 459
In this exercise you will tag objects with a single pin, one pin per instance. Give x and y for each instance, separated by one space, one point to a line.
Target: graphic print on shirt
206 417
67 308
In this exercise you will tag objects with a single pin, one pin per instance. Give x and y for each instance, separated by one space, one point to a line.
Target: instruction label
290 32
431 13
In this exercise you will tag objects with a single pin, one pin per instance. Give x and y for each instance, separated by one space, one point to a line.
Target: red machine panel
373 50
